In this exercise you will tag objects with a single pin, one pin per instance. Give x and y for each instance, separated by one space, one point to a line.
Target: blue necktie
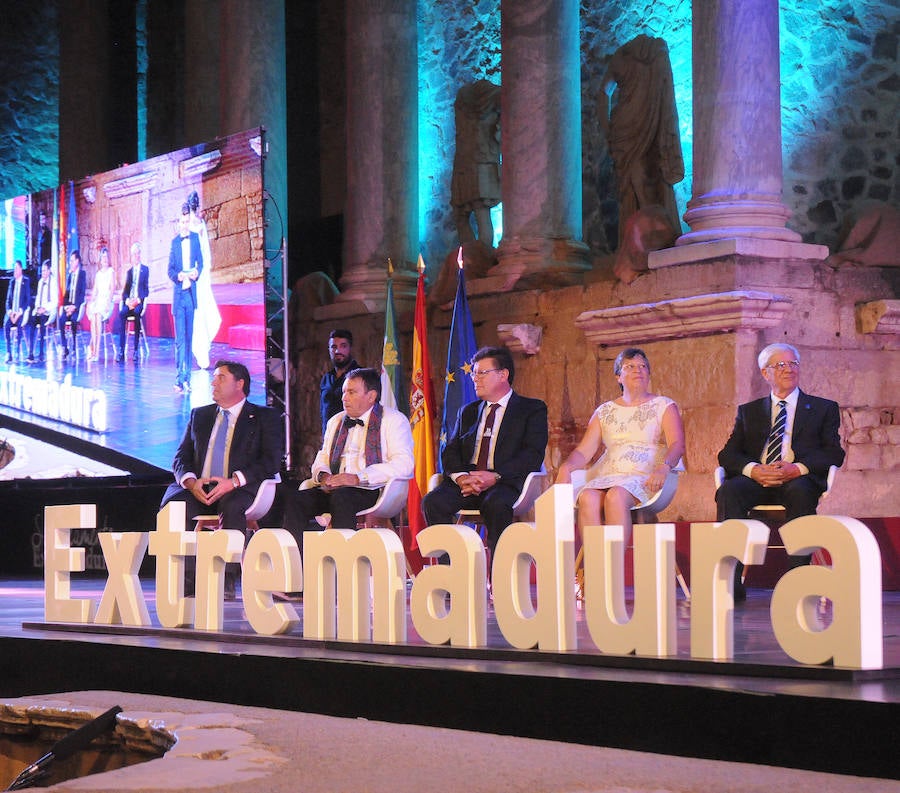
217 464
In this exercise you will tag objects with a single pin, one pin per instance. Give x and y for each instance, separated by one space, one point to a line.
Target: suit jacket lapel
801 414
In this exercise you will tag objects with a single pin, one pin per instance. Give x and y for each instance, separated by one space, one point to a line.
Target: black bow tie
350 423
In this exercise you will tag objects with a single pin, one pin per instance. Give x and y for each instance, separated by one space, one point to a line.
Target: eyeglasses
476 373
635 367
783 366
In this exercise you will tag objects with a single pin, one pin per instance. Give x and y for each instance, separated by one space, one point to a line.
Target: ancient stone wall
840 104
29 100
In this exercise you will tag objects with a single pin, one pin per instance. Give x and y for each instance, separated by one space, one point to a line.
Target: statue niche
475 185
642 134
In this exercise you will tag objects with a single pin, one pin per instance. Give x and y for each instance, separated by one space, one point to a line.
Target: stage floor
762 707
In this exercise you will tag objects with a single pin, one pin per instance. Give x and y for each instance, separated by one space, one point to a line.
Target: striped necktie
776 436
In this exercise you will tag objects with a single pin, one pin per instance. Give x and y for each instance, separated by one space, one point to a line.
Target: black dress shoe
120 358
9 359
135 357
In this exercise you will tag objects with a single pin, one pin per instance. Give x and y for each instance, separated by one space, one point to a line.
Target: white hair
778 346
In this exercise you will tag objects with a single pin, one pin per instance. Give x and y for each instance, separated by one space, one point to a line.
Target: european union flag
458 386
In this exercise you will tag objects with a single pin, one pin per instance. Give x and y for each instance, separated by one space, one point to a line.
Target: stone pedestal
541 120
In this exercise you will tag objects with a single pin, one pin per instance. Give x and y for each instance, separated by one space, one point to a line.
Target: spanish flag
421 418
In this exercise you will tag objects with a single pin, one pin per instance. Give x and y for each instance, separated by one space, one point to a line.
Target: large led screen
115 382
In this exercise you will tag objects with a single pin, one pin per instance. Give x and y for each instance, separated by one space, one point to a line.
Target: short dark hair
185 208
77 254
239 371
626 355
501 355
371 378
193 200
341 333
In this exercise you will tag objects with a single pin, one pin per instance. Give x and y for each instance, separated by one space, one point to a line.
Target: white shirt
787 452
495 430
396 449
47 297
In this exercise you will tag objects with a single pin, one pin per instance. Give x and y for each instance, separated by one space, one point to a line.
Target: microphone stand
75 741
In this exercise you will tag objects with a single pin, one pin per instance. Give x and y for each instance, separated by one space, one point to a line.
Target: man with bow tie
365 445
780 448
46 302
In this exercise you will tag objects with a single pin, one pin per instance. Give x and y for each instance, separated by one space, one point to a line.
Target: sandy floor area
232 748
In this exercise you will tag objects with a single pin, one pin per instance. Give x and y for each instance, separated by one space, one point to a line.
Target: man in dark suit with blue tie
18 301
185 265
134 293
227 450
497 441
781 446
253 452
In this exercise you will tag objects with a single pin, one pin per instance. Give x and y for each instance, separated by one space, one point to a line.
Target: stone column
235 80
738 179
541 145
381 218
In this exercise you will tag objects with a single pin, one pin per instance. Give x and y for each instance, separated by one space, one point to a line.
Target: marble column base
535 263
364 291
736 246
717 218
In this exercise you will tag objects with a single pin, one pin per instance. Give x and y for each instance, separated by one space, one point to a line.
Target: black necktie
773 447
481 464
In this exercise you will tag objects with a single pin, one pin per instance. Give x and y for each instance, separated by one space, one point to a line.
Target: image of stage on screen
123 289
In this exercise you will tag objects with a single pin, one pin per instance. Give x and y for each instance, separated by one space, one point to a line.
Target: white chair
390 503
531 489
75 322
15 335
131 322
645 512
818 556
262 503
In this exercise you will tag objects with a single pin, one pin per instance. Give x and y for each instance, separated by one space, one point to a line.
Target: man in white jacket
365 445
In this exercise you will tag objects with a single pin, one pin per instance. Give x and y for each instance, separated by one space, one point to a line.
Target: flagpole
421 412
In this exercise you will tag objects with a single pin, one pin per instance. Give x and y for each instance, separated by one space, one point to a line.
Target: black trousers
495 505
301 506
738 495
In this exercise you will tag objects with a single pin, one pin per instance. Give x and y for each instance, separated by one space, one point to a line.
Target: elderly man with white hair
781 446
134 293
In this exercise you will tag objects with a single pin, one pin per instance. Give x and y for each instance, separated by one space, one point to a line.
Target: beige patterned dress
634 444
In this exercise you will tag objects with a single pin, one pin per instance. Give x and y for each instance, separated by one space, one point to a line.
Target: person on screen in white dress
207 319
100 307
641 438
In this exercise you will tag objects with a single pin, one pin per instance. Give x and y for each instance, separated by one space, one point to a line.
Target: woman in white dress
101 304
641 438
207 319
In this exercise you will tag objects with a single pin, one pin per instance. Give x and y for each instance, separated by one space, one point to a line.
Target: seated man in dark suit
134 293
365 445
227 450
72 301
781 447
18 301
497 441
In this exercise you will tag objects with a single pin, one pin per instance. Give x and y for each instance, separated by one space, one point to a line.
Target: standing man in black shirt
340 342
